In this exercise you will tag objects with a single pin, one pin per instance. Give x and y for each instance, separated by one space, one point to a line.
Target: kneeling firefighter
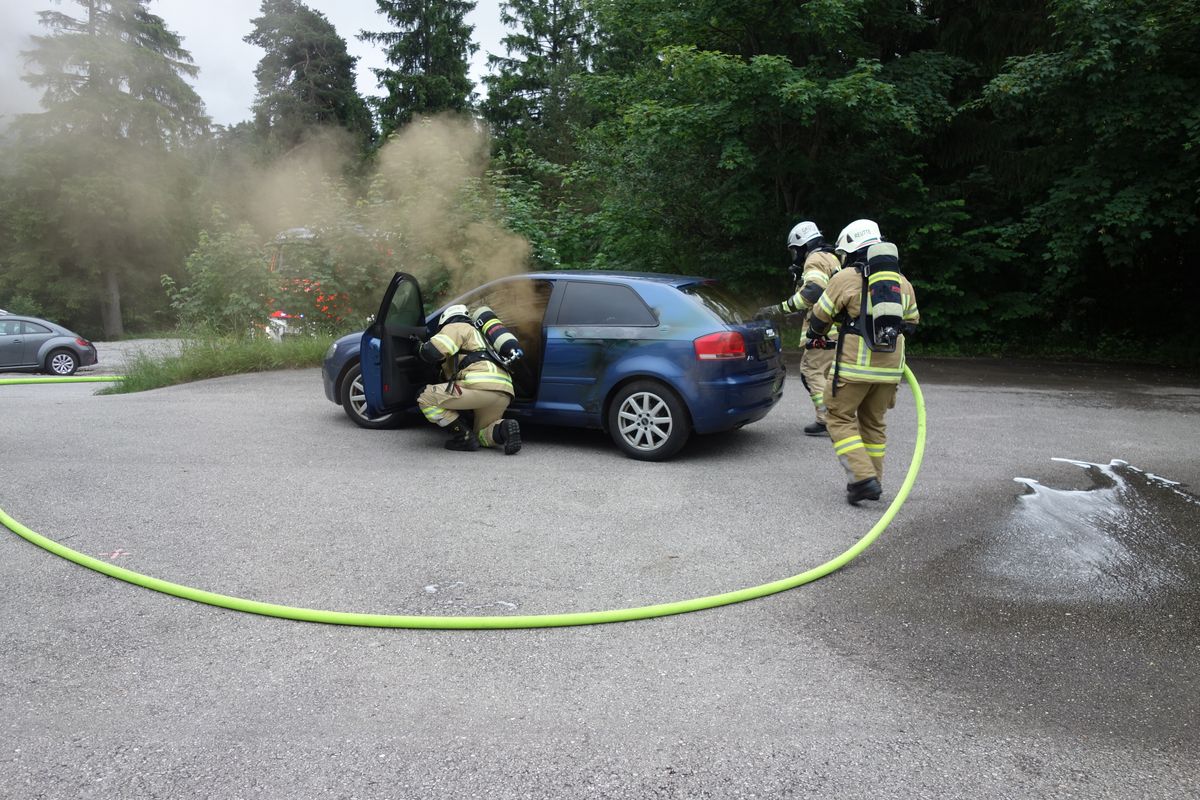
477 381
813 264
873 306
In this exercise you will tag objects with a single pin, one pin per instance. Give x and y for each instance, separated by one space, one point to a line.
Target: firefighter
475 383
873 305
813 264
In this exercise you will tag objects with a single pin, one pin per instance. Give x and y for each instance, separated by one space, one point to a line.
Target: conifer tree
98 172
306 77
429 48
528 100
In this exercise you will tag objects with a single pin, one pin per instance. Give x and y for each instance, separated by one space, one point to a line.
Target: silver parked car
29 343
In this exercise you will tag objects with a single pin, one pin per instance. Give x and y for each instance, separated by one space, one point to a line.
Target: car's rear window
718 299
603 304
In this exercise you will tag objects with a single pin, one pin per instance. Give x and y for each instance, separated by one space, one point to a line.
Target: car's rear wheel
354 402
62 363
648 421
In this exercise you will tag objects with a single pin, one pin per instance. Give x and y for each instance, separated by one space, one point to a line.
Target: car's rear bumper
89 357
737 400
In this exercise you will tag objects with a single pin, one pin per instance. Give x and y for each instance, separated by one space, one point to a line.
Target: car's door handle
569 333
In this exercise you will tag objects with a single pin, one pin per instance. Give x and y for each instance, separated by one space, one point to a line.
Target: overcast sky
212 30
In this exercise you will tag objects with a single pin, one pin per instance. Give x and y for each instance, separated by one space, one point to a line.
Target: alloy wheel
644 420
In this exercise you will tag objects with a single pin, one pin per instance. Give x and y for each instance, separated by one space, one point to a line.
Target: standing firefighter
813 264
476 381
873 306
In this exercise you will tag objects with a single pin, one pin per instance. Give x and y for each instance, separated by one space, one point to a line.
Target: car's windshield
717 298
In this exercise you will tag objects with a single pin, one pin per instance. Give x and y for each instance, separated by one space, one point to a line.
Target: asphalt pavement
992 643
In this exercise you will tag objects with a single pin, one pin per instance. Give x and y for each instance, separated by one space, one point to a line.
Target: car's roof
28 318
616 276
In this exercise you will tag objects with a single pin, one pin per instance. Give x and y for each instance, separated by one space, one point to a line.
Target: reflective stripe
846 445
484 374
815 276
826 304
444 344
871 374
433 413
875 450
476 379
883 276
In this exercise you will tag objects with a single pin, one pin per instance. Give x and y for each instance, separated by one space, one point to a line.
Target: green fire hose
495 622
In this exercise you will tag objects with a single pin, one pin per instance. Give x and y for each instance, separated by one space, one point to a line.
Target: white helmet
857 235
802 234
456 310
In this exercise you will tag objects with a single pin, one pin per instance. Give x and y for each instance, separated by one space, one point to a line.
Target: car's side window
9 327
603 304
32 328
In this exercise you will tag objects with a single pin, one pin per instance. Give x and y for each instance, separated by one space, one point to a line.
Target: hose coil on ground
492 622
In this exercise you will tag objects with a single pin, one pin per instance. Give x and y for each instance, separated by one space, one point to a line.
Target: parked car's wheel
62 363
648 421
354 402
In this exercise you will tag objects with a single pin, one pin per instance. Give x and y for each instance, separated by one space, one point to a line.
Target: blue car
648 358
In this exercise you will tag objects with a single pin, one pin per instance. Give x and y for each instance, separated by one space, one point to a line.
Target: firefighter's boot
867 489
508 433
461 437
816 429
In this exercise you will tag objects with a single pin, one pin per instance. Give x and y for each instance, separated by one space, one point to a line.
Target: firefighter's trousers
814 369
855 420
441 406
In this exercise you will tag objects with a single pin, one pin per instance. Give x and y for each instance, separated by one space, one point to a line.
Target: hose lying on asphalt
495 622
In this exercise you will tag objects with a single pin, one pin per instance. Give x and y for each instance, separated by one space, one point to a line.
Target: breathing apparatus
880 319
881 313
500 340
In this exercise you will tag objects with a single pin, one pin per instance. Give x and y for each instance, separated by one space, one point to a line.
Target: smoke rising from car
426 196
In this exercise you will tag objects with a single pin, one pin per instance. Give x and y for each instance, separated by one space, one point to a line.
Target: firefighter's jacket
841 303
457 340
819 267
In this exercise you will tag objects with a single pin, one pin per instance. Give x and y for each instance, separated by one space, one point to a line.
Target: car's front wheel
62 363
354 402
648 421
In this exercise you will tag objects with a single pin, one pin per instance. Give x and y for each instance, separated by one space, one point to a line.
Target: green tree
1106 172
429 47
100 186
228 284
529 102
723 123
305 78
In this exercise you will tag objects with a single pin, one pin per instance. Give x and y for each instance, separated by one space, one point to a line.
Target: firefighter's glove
817 342
767 312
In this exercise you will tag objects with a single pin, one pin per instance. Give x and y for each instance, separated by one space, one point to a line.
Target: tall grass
213 357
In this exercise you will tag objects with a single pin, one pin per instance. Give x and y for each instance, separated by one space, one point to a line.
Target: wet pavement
1066 610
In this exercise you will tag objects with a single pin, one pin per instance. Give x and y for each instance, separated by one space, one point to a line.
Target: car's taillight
82 342
727 344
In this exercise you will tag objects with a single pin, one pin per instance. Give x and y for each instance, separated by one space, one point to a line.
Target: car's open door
391 371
